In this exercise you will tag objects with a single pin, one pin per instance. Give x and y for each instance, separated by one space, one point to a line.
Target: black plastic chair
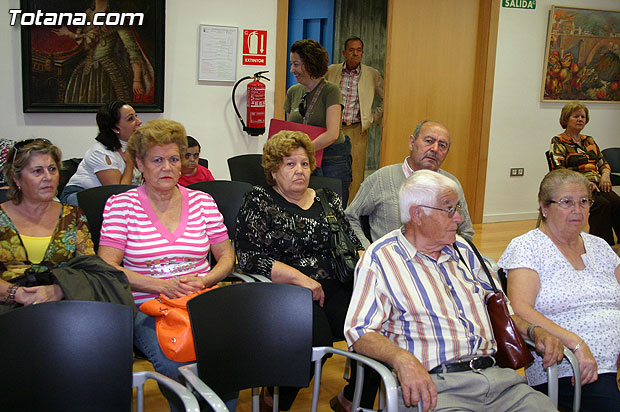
68 169
247 168
228 195
4 195
612 155
203 162
92 202
72 356
325 182
263 338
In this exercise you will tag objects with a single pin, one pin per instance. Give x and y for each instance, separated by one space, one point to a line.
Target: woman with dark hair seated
36 232
282 233
106 162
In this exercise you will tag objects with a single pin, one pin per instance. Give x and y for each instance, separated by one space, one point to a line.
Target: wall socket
516 171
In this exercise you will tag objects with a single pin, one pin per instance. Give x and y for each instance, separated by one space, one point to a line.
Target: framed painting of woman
79 54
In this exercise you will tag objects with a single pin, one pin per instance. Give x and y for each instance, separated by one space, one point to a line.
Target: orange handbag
174 331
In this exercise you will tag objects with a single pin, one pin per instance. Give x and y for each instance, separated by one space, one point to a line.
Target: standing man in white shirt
359 84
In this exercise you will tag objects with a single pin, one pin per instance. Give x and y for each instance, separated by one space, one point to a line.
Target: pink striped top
131 225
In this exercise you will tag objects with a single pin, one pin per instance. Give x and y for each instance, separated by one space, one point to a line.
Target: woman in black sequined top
282 233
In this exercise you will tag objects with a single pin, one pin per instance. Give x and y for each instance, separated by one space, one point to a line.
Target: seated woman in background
317 102
162 233
282 233
580 153
106 162
568 282
36 232
191 170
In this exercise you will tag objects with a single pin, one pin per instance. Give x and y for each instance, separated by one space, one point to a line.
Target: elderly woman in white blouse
568 282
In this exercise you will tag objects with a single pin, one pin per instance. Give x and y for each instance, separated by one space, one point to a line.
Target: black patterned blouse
270 229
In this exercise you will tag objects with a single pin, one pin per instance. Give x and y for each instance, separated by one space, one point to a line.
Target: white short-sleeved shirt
95 161
586 302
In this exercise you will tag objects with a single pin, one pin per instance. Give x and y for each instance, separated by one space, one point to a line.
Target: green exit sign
519 4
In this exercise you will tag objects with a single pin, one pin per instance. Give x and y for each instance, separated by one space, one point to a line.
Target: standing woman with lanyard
317 102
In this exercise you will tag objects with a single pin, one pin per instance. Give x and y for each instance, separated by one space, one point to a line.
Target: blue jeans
69 195
145 339
337 163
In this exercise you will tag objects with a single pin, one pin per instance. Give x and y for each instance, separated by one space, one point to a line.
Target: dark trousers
605 216
599 396
338 163
327 327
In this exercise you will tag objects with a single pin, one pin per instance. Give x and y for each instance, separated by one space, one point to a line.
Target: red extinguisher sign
254 47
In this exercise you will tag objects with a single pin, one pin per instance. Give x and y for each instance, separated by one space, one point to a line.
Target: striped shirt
131 225
348 87
435 309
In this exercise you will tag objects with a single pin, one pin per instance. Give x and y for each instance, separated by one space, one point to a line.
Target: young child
192 172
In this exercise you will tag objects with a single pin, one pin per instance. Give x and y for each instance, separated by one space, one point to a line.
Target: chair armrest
389 381
552 377
186 396
240 276
190 373
261 278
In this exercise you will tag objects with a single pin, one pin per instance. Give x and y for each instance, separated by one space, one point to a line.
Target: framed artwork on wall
582 59
80 54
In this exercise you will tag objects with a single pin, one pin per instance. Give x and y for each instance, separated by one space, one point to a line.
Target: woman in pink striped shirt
161 233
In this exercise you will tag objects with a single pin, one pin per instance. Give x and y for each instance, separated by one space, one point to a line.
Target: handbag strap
479 256
329 212
314 99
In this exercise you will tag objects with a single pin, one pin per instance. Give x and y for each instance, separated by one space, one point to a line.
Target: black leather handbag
343 250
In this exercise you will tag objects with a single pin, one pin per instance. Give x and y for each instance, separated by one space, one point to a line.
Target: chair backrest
549 157
228 195
247 168
68 169
4 194
67 355
327 183
92 202
612 155
253 334
203 162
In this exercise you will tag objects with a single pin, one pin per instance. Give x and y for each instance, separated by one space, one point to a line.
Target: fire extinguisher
255 103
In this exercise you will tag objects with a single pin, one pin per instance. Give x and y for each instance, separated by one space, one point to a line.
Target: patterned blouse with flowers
70 239
585 157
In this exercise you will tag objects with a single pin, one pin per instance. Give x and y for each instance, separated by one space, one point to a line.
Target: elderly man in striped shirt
420 308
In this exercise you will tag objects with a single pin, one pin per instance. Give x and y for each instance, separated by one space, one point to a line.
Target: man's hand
415 381
548 345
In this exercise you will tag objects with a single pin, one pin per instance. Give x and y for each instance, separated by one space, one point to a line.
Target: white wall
204 108
522 125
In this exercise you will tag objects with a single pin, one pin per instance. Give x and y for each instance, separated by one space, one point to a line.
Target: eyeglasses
302 104
450 211
584 202
20 145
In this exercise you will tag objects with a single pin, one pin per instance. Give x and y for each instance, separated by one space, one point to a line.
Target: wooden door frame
482 98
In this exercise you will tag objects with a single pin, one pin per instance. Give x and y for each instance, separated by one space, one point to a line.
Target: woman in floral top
579 152
36 232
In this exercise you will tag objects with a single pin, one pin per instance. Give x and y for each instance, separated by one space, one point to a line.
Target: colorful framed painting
582 59
80 54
